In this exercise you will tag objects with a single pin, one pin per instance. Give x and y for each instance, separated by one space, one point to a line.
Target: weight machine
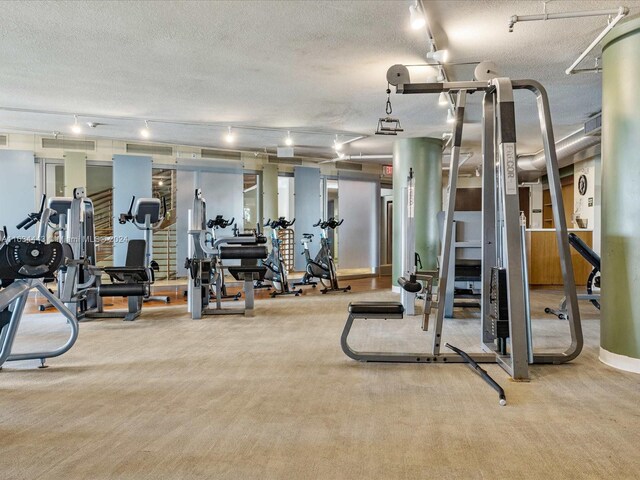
506 337
23 265
205 264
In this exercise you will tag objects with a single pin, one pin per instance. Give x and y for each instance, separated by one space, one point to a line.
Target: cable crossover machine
506 334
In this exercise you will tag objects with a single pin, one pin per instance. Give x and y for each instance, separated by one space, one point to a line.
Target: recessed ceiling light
443 99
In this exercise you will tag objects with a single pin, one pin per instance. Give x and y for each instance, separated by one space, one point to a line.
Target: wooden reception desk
544 261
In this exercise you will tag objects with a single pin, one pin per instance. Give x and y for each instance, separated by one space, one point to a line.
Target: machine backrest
136 251
144 207
60 206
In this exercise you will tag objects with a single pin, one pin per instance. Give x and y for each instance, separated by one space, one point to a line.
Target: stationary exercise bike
322 267
276 268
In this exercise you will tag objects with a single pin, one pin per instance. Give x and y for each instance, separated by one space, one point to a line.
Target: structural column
269 192
424 156
620 314
75 172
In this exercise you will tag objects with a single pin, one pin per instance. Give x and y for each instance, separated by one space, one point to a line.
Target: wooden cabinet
544 260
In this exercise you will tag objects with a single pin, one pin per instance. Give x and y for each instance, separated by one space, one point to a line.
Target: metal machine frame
502 240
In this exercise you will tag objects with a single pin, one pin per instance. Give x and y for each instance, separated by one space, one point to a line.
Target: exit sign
387 170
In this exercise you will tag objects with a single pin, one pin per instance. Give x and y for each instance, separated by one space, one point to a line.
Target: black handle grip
42 203
291 222
164 206
30 223
130 212
23 223
340 222
317 224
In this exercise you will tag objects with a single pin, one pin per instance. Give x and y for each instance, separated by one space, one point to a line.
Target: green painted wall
620 324
424 155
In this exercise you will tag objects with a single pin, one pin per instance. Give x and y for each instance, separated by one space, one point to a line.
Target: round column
424 156
620 305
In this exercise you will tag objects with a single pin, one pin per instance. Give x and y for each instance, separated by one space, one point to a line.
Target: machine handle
23 223
33 217
318 224
125 217
164 207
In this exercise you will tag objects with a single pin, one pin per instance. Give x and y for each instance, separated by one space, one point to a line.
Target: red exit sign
387 170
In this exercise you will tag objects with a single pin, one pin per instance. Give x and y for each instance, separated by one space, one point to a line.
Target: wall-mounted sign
582 184
590 201
387 170
536 210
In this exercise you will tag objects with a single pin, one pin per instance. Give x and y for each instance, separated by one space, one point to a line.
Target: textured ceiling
298 65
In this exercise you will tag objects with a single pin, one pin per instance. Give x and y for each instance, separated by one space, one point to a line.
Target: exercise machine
82 284
206 271
505 323
145 215
220 223
322 267
23 265
593 281
276 273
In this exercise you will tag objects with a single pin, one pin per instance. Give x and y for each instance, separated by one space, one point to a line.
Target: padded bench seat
243 272
376 308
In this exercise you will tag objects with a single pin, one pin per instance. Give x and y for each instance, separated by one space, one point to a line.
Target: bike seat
308 236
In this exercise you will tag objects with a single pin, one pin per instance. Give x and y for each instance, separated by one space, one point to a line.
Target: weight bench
593 281
364 310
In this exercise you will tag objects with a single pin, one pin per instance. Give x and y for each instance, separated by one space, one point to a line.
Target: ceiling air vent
146 149
285 161
3 140
220 154
593 126
68 144
356 167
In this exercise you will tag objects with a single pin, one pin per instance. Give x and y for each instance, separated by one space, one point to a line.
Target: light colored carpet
273 396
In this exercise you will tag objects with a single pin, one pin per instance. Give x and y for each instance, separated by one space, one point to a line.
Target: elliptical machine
322 267
276 268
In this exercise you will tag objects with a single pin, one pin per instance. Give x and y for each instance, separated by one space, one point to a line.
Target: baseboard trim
621 362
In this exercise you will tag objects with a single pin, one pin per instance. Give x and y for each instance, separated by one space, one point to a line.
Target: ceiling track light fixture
450 116
76 127
229 137
145 132
443 99
438 56
288 141
337 146
416 16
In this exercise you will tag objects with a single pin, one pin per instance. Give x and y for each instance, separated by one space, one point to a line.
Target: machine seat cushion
376 308
254 271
